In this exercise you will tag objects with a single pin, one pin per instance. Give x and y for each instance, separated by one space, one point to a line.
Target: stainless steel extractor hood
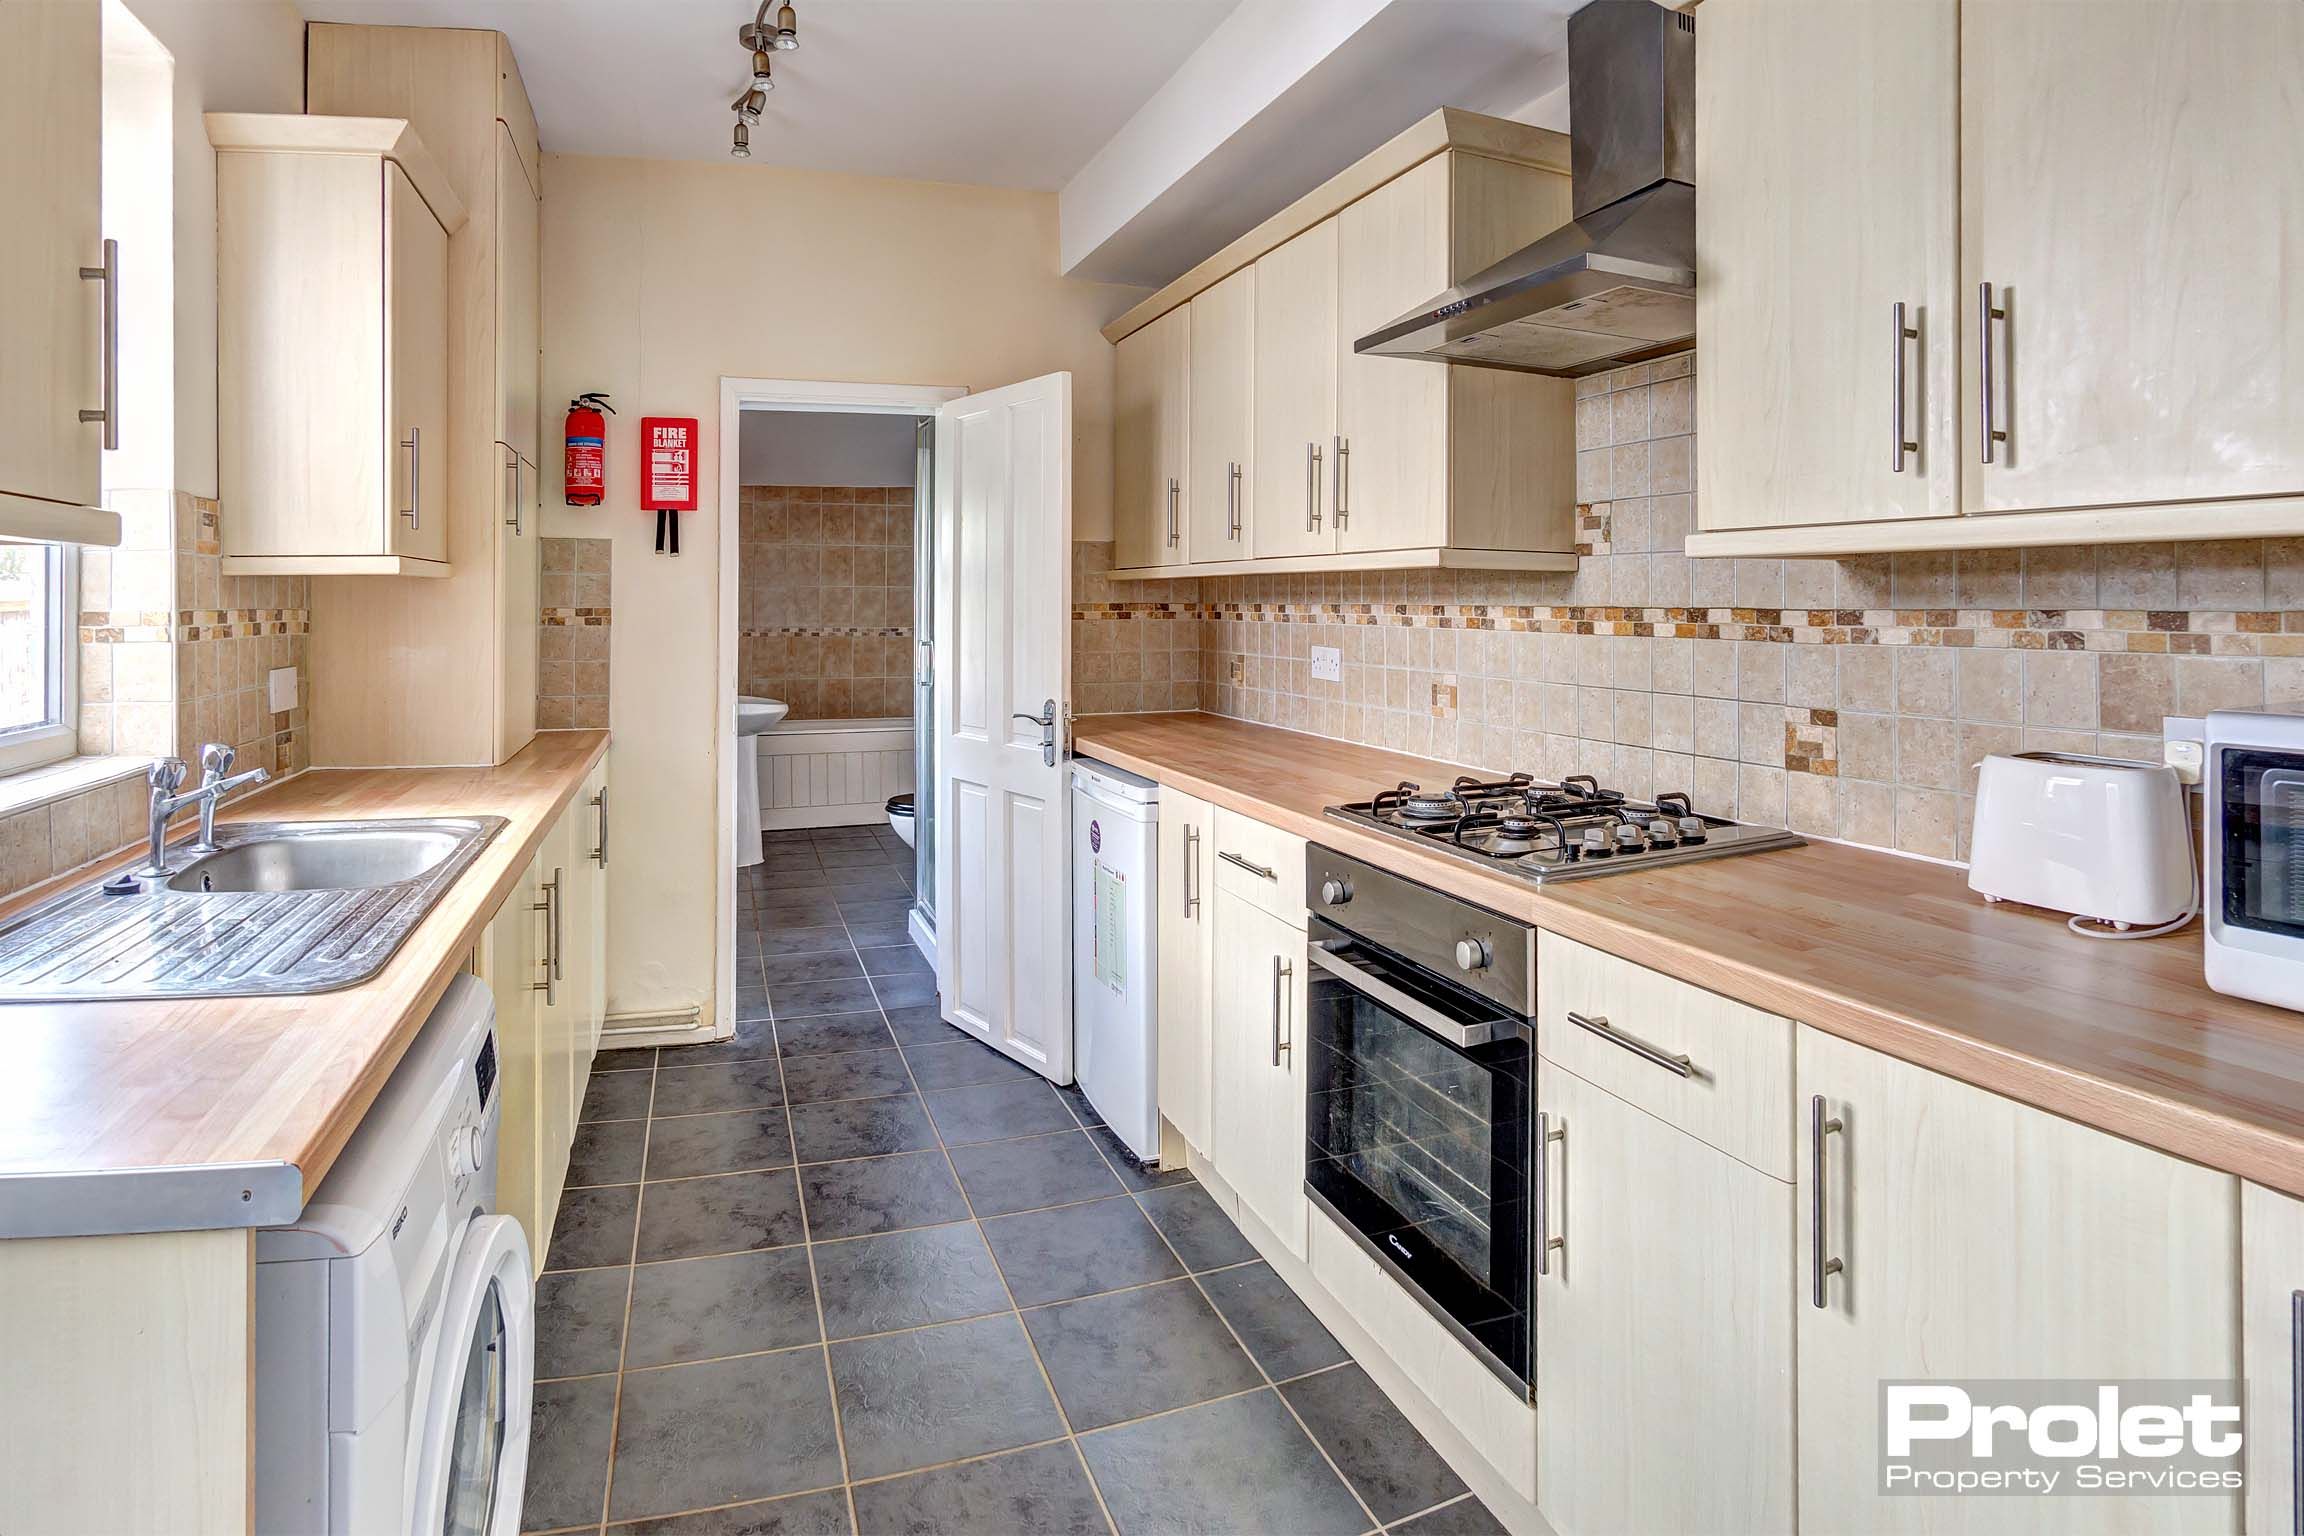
1616 284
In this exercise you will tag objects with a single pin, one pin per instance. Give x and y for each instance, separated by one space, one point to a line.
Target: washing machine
395 1318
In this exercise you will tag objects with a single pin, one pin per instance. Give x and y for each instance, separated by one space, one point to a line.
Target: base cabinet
2272 1335
1184 934
1257 1001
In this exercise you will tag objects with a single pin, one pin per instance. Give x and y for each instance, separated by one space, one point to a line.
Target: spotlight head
742 148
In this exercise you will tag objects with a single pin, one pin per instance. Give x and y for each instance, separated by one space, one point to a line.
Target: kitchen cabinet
507 961
1663 1343
1220 437
1183 940
331 317
2272 1338
1978 1238
1151 386
1344 461
518 533
51 310
2089 228
1257 997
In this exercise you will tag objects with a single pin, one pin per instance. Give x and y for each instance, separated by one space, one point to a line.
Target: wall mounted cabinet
1964 283
1301 454
331 318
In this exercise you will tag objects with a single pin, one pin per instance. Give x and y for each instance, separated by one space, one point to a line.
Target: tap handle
167 775
216 761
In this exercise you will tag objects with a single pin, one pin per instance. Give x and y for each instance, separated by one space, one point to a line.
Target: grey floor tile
847 1075
807 937
1077 1102
1466 1517
860 1128
728 1213
1239 1464
607 1152
906 1279
633 1058
863 854
568 1441
1137 1352
1279 1330
617 1096
755 1037
826 965
1195 1226
1389 1464
688 1436
805 999
580 1321
701 1090
895 960
996 1111
961 1063
733 1141
1131 1172
1078 1250
923 1025
799 1514
830 1032
879 932
905 991
1002 1177
880 1194
700 1309
917 1399
593 1227
866 882
861 908
1043 1491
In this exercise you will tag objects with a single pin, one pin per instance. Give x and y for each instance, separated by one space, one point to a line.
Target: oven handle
1422 1015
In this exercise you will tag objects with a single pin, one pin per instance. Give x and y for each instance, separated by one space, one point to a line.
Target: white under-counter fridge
1115 894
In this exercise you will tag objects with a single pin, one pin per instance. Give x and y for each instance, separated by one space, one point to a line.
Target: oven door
1417 1137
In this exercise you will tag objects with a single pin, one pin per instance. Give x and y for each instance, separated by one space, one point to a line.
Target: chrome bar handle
2296 1411
1343 481
1282 969
1545 1241
1312 488
1232 499
1986 313
109 276
513 464
414 443
1901 332
1258 870
559 922
600 804
550 907
1678 1066
1191 874
1819 1266
1172 488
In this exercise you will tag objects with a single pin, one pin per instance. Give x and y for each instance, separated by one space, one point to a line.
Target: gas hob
1566 831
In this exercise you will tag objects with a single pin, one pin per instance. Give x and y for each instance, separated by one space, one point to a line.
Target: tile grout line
631 1278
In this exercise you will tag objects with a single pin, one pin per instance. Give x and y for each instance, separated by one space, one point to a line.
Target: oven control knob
1692 829
1596 844
1472 954
1630 839
1335 892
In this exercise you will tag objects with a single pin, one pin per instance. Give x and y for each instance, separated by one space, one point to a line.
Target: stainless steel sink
279 908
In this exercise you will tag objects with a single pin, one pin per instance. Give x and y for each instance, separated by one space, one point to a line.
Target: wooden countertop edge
2176 1126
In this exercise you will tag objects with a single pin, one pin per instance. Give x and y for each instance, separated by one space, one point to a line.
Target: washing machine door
470 1425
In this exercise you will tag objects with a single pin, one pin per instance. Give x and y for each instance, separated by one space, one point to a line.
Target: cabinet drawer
1717 1069
1260 864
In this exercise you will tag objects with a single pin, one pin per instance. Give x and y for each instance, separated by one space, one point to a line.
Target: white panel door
1003 654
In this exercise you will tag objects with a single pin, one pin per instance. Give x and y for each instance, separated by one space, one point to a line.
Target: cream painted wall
662 277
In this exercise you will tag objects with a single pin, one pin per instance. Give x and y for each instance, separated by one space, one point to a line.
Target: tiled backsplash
825 596
572 641
1846 698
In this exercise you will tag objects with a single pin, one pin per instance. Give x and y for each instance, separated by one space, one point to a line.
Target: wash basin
756 715
348 858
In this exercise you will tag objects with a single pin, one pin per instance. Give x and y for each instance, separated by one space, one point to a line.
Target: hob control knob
1629 839
1472 954
1662 832
1596 844
1692 829
1335 892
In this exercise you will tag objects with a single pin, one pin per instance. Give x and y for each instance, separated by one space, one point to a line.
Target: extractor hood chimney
1617 284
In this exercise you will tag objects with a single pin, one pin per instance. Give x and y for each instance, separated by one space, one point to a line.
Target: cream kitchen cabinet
331 321
1151 403
519 533
1183 939
2272 1339
1966 1236
1220 439
1295 394
2089 230
1257 998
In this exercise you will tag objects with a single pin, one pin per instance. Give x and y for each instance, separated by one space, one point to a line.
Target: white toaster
2094 836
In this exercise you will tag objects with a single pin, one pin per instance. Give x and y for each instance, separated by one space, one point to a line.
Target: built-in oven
1418 1074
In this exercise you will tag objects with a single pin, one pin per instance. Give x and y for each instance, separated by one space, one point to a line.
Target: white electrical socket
2184 745
1327 664
280 690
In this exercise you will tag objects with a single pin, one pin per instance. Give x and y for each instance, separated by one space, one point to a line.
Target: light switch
1327 664
280 690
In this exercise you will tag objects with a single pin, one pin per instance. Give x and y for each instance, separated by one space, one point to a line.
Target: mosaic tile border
850 631
241 623
574 618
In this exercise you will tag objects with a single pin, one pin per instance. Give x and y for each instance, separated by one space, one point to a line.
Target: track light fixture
761 38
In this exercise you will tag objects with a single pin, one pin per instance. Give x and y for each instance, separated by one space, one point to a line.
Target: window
39 643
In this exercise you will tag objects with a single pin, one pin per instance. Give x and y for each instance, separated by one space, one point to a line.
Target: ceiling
1014 93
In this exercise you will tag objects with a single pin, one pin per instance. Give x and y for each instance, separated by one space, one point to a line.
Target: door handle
1312 488
1258 870
109 276
1546 1243
1986 313
1678 1066
1171 511
414 443
1900 333
1343 482
550 907
1232 500
513 464
1046 720
1191 872
2296 1411
600 804
1282 969
1819 1266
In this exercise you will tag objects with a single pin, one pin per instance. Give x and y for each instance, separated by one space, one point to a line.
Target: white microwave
2254 834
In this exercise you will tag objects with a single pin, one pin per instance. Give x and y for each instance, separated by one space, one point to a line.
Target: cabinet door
51 94
519 281
561 1026
1388 480
1139 525
1664 1351
2272 1333
1220 443
586 933
1295 394
1827 145
508 964
519 576
2131 189
416 390
1182 927
1258 992
1982 1239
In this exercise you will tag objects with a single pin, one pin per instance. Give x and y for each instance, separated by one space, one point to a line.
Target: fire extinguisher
587 434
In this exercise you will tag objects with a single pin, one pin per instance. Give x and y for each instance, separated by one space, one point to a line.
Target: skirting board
676 1026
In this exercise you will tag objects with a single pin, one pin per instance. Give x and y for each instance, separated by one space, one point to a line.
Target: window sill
50 782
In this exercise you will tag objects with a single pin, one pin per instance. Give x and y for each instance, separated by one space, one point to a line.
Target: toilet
755 717
900 816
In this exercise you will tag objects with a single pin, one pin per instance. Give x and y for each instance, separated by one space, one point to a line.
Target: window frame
58 737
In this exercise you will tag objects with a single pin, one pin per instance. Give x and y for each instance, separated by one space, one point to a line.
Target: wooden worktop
202 1081
1894 953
